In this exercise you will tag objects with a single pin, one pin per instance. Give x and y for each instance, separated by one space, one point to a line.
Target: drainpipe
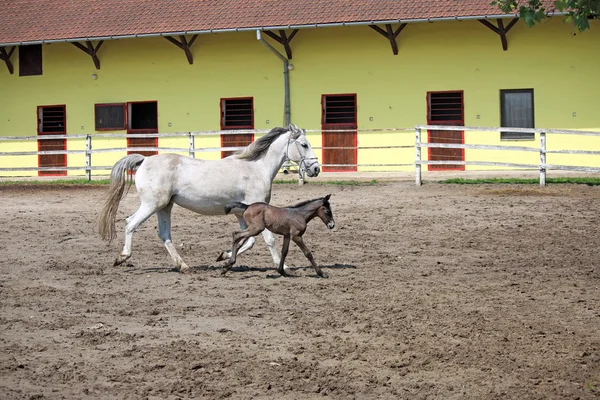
286 74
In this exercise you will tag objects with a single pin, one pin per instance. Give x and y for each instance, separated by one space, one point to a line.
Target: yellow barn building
81 67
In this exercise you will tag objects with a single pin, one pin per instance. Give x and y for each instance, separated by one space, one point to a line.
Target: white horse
203 186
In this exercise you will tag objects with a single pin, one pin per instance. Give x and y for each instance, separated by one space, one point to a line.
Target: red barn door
445 108
339 113
52 121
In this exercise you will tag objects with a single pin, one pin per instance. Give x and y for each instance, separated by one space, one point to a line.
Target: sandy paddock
438 292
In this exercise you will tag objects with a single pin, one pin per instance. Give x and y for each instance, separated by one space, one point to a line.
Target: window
236 113
445 106
30 60
516 111
339 109
110 117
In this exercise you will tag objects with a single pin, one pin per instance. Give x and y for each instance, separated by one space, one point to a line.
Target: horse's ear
327 197
294 131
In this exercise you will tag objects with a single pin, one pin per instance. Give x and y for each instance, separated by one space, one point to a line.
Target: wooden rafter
184 45
90 50
5 56
284 40
500 29
390 34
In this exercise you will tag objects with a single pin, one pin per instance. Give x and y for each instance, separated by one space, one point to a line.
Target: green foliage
534 11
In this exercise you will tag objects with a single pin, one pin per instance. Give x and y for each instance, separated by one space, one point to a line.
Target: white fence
542 166
415 147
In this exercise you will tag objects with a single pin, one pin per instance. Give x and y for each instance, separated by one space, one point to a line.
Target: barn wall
559 65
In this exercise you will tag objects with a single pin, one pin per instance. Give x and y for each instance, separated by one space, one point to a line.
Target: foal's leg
298 240
284 251
238 239
246 246
164 232
135 220
270 241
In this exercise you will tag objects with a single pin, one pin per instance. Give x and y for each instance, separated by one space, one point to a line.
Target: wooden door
236 113
235 140
339 148
445 108
142 118
52 121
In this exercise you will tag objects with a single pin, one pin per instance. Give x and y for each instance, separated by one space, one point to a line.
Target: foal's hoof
323 275
286 274
224 255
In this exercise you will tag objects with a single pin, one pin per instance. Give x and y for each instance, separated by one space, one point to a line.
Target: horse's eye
304 145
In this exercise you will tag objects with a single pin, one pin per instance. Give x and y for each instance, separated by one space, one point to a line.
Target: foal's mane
305 202
257 149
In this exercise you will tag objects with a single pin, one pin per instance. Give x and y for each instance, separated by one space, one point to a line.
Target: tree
579 12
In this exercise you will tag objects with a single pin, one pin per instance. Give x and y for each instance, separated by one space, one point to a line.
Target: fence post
88 157
192 145
418 156
542 158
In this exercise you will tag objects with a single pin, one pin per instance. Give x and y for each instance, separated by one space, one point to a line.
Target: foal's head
324 212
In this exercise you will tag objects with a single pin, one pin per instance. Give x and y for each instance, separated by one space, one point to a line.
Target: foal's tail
120 176
236 207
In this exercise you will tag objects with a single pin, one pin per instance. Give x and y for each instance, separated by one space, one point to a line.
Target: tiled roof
35 20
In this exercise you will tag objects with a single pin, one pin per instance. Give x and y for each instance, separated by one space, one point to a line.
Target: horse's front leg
307 253
284 251
270 241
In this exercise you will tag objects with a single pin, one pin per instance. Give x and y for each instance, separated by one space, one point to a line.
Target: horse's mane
259 147
305 202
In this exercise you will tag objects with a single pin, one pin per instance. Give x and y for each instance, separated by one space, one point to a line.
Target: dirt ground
437 292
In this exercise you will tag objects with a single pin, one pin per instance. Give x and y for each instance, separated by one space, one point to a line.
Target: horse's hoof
120 260
324 275
184 269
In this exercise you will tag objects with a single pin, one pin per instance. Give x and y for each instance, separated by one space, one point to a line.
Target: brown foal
290 222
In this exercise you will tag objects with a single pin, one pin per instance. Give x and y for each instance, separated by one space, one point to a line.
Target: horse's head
324 212
300 151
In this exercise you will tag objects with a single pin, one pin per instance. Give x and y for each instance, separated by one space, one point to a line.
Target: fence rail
541 149
417 162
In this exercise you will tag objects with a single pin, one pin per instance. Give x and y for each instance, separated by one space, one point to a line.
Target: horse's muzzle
331 224
313 170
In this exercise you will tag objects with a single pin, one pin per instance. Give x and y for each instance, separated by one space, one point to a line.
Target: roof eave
273 28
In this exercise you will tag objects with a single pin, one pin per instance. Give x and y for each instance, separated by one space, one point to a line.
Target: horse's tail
120 176
236 207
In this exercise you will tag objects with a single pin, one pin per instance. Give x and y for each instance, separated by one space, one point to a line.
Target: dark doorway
142 119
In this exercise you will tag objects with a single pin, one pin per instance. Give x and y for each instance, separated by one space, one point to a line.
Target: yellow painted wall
560 66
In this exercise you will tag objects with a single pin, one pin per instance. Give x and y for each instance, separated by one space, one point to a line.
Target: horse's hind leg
164 233
135 220
307 253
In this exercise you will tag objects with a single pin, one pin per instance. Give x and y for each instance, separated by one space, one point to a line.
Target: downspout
286 74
